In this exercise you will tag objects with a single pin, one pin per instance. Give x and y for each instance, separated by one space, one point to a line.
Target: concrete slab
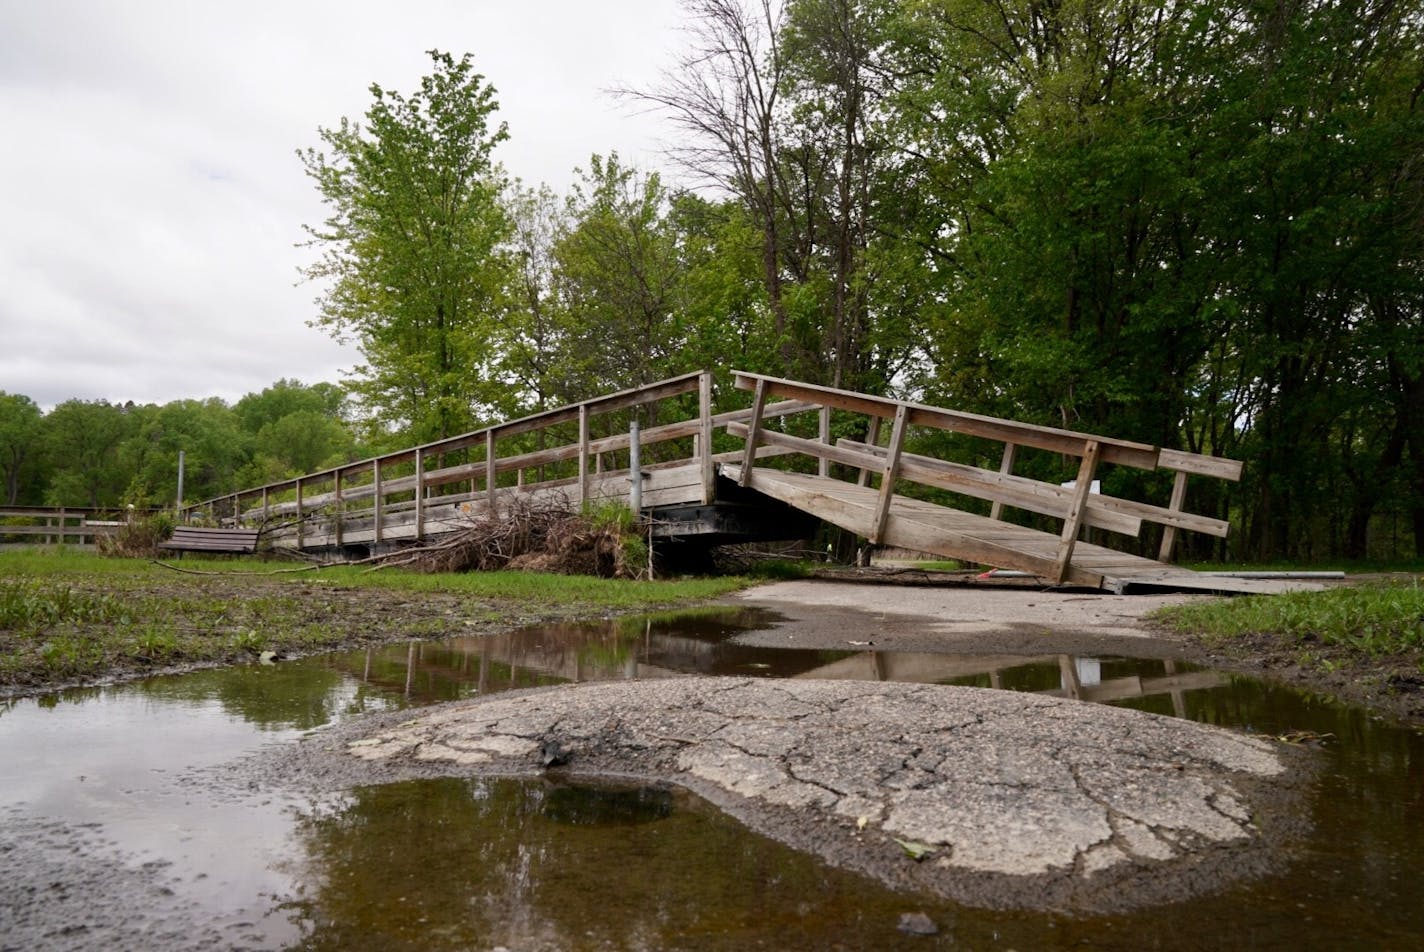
1015 800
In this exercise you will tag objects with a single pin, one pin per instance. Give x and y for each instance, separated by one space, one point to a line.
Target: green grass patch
1371 619
67 615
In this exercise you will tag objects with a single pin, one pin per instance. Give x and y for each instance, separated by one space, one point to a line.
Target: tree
618 273
413 253
20 422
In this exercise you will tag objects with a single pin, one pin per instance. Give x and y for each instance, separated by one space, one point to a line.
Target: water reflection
462 864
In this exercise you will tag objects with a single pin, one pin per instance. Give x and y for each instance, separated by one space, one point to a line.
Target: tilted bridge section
694 494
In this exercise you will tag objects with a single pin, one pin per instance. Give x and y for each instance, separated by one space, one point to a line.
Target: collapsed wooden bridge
668 469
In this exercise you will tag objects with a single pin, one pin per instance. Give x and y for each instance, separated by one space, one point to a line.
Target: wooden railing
413 492
1073 503
60 525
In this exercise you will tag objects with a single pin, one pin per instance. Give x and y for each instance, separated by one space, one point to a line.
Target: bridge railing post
823 465
890 473
1169 532
753 432
490 478
583 474
419 493
1006 468
872 438
703 450
1074 519
377 503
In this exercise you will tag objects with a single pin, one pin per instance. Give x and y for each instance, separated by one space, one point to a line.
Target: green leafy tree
414 254
618 274
82 441
20 424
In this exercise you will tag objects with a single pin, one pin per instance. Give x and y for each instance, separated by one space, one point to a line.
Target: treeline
106 455
1193 223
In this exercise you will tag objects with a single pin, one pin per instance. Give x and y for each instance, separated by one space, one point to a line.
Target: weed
1371 619
156 644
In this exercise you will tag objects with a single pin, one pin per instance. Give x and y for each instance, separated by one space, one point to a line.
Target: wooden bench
199 539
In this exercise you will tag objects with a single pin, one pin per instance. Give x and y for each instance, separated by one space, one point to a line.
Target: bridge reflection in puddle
700 644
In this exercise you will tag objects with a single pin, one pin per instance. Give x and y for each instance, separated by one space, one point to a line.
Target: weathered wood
823 429
872 438
1169 533
420 494
1055 440
1020 492
378 497
704 438
1006 468
1087 469
753 434
203 539
888 476
583 473
1218 467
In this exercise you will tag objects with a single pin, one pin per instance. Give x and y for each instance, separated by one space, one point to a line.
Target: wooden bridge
666 433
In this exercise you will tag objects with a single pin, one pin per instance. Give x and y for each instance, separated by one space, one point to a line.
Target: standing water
124 823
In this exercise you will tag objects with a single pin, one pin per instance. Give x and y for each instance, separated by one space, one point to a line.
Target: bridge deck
953 533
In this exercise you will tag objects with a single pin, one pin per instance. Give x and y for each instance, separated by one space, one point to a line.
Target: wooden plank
1218 467
799 444
1005 431
1020 492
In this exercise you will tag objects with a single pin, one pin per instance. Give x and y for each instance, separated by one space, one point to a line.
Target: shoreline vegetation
69 617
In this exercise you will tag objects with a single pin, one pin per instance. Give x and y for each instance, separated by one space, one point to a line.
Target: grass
67 615
1372 620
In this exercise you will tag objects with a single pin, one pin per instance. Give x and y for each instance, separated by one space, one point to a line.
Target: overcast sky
151 198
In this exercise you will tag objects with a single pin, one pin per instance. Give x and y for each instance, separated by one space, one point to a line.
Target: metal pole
179 506
635 470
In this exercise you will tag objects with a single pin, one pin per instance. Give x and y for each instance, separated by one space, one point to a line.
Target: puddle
475 864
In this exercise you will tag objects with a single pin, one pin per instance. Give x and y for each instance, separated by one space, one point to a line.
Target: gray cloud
151 198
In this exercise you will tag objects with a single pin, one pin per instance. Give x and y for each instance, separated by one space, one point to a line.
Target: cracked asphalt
1011 800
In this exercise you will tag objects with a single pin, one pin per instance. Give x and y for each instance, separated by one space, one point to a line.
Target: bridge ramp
956 534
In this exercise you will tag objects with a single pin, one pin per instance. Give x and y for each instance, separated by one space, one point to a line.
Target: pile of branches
535 536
